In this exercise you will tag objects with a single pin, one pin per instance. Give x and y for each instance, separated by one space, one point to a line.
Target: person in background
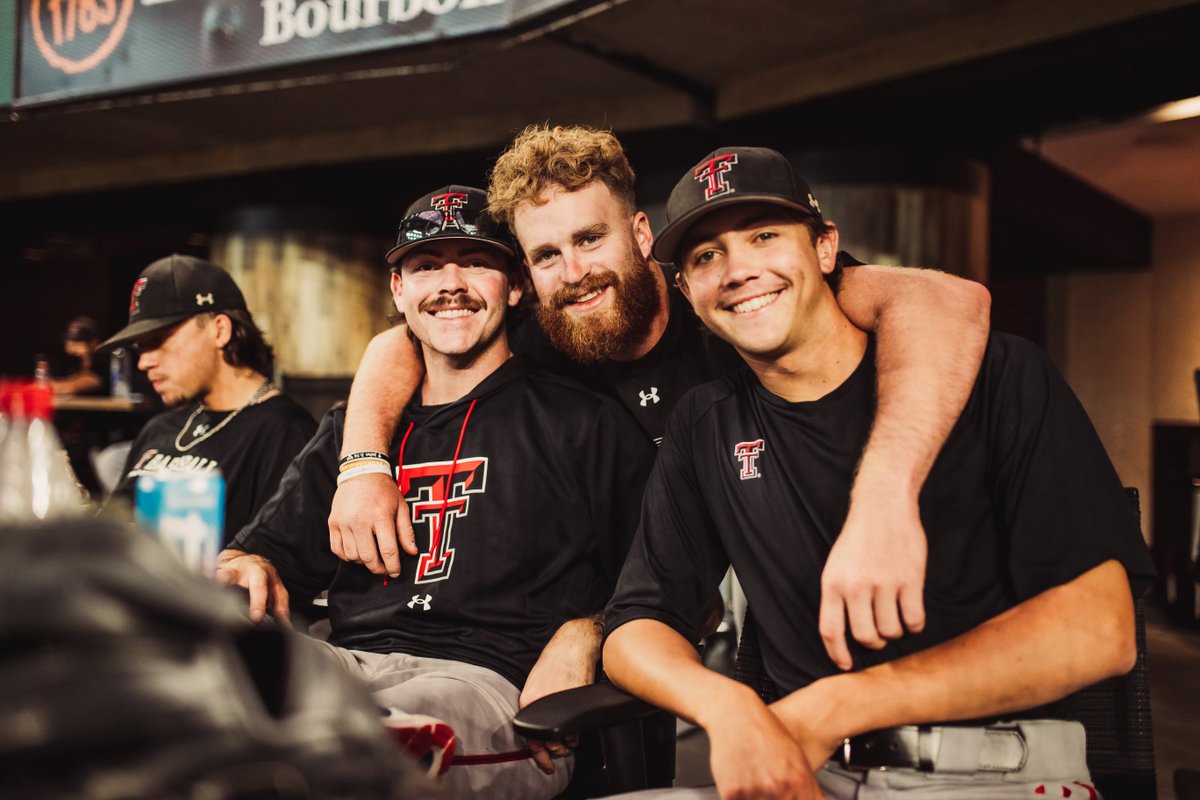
84 372
198 344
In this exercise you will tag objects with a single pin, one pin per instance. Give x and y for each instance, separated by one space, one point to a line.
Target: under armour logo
812 201
423 602
649 397
712 174
747 453
204 299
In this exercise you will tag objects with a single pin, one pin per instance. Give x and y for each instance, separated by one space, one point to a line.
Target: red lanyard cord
403 484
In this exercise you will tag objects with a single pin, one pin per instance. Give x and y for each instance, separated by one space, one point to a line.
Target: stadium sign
78 48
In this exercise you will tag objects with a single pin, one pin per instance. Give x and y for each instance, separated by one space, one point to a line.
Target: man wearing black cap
203 354
609 317
523 489
1034 552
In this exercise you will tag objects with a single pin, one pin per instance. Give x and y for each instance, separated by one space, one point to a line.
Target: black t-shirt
251 451
1022 498
546 484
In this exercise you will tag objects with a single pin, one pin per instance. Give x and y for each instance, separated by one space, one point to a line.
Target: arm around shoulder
931 331
369 520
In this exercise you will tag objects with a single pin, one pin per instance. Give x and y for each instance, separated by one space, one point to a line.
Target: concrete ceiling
633 65
1151 165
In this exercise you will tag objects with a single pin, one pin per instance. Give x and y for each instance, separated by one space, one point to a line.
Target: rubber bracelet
360 461
364 454
366 469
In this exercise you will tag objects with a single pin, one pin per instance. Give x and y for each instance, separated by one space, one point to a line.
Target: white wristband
365 469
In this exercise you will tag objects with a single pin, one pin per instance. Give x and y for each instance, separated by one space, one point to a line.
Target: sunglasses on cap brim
434 221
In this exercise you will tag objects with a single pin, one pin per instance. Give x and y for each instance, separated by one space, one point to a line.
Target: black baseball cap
451 212
173 289
730 175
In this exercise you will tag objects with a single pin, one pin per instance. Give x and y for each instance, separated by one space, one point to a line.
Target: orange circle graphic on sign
76 66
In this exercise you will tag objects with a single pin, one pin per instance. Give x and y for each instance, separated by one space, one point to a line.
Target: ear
516 286
682 283
397 290
222 329
827 249
642 234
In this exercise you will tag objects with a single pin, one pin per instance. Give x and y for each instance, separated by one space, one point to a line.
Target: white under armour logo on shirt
650 396
423 602
204 299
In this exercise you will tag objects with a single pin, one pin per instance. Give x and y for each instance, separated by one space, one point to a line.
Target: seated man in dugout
206 358
1034 552
609 316
524 488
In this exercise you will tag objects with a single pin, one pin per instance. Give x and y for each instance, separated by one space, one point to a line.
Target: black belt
933 748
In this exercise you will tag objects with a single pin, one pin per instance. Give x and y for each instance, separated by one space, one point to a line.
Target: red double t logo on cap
713 171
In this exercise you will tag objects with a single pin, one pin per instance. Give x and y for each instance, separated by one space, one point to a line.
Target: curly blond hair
570 156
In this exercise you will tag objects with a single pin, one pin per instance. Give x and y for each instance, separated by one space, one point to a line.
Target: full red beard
600 336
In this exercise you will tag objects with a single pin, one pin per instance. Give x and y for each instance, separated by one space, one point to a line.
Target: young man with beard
524 485
202 352
608 317
1032 543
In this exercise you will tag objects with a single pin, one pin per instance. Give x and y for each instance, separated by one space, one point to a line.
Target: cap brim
666 244
143 327
394 254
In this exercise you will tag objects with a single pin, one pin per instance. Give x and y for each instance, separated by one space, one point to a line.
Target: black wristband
362 455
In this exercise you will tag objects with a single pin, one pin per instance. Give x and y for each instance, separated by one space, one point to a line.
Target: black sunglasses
433 221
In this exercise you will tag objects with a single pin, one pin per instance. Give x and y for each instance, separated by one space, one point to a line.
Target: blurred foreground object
186 511
125 676
36 480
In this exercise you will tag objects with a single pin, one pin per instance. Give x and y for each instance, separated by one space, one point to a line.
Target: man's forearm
931 330
387 378
568 660
579 639
1039 651
652 661
751 752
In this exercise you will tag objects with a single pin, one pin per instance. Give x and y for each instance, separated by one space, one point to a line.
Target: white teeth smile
453 313
755 303
588 296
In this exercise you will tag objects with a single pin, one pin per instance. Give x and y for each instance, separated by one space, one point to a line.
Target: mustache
451 301
595 282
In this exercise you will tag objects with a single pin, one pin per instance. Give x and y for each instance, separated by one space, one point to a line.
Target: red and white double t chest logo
747 453
438 493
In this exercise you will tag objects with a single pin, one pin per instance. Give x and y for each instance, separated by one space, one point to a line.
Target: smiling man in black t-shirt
1032 545
523 488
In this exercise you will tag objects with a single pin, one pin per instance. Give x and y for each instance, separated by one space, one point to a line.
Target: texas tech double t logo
450 204
712 174
747 453
436 497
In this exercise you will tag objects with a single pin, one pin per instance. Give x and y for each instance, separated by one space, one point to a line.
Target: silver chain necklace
210 432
